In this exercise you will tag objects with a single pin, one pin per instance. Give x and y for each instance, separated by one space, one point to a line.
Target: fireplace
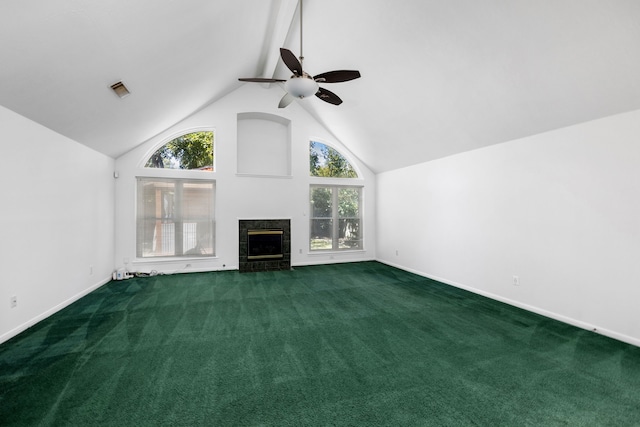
264 245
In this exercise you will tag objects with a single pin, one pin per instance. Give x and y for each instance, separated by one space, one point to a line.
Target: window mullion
335 218
179 221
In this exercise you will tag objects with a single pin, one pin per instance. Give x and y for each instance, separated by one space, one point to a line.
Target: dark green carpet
351 344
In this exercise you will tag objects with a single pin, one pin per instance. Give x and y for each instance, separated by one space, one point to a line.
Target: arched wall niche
264 144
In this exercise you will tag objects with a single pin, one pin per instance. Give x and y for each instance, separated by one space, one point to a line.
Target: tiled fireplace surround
247 265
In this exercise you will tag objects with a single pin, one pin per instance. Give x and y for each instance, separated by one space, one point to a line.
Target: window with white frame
335 220
325 161
175 217
191 151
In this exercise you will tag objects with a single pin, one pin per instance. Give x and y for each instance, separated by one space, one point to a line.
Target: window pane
197 238
156 238
321 202
328 162
321 234
349 234
349 203
193 151
197 200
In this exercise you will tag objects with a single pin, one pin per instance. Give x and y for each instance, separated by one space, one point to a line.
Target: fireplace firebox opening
265 244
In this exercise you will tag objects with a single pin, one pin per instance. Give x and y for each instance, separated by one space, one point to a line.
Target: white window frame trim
335 225
171 137
185 176
342 150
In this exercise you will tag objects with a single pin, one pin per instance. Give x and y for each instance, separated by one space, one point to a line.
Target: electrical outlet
91 270
516 281
396 252
14 301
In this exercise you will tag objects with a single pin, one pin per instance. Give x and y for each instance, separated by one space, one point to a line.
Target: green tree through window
191 151
327 162
335 218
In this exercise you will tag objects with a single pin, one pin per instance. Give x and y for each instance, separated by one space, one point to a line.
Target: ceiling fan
301 84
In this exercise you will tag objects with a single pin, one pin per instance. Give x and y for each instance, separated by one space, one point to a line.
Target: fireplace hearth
265 245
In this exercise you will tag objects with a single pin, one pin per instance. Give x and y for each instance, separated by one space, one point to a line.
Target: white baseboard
15 331
329 261
559 317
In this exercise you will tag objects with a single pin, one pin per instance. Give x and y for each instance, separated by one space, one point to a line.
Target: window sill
342 252
253 175
168 260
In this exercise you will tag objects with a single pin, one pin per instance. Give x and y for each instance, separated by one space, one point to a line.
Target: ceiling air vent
120 89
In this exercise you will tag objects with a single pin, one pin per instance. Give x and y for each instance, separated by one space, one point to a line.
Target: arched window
175 214
193 151
335 209
327 162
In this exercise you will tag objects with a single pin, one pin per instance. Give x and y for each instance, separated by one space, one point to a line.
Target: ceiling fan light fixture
301 84
301 87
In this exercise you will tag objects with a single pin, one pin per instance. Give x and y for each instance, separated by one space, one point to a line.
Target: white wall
57 216
561 210
239 196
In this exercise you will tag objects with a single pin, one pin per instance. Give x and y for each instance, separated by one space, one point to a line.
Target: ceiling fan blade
261 80
337 76
286 100
291 61
328 96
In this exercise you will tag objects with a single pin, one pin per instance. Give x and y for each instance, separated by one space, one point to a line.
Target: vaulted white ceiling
438 77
